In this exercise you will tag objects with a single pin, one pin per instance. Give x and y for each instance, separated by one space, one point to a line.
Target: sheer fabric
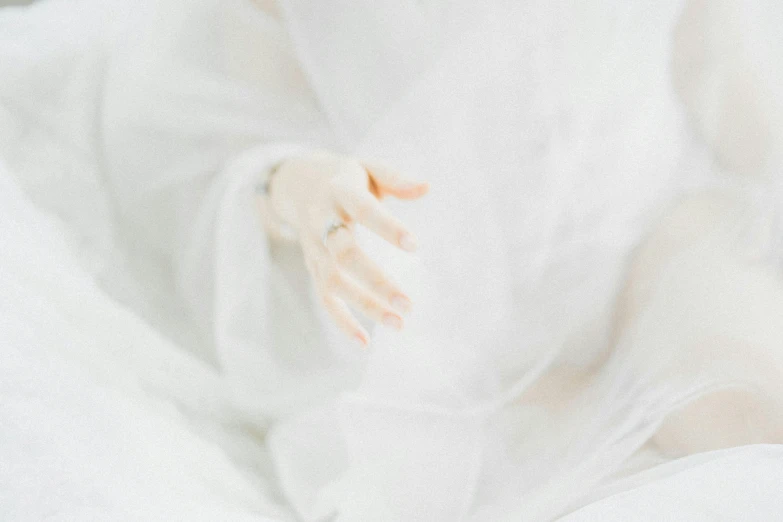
555 144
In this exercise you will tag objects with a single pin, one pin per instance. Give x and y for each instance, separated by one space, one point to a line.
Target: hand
310 193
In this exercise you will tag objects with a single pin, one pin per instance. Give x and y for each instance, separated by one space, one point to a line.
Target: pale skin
308 193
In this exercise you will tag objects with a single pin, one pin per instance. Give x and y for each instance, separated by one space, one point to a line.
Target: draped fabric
556 146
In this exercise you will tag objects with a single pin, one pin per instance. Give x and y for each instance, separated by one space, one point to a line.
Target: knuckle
332 278
346 255
381 283
395 227
371 305
362 211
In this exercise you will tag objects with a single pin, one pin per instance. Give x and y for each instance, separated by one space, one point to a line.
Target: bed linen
105 420
143 131
102 418
735 484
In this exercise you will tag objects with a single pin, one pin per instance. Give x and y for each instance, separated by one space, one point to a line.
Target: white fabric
735 484
555 144
102 418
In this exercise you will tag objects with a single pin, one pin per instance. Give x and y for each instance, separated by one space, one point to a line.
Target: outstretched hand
323 197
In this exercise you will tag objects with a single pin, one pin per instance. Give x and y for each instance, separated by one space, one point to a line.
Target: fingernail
408 242
392 321
401 303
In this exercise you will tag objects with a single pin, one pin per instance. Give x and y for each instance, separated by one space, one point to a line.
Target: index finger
364 208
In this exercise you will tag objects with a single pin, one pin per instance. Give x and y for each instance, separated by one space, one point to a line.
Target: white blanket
104 420
161 361
736 484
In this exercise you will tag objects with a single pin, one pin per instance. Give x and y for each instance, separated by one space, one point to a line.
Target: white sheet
736 484
557 141
102 419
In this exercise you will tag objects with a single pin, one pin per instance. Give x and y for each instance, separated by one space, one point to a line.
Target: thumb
385 181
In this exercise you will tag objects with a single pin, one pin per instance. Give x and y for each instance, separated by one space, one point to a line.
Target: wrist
275 222
279 200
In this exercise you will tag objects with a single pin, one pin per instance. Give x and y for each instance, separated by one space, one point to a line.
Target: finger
333 282
364 301
386 181
344 319
365 209
348 255
325 275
